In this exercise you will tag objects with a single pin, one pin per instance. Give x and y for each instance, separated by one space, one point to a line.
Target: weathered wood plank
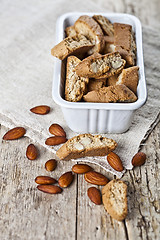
93 222
143 221
27 213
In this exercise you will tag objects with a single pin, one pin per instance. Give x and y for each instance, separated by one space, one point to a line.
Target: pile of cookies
100 61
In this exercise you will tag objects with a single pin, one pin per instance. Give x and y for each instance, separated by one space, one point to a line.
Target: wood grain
26 212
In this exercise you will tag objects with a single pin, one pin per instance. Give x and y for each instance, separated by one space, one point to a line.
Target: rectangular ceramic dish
98 117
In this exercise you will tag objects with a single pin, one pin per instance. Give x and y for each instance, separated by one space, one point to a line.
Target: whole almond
42 109
50 165
96 178
115 161
14 133
49 189
52 141
31 152
57 130
139 159
81 168
45 180
95 195
66 179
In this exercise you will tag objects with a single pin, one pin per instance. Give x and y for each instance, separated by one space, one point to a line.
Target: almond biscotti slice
96 84
70 31
86 145
88 27
111 94
101 67
105 24
130 78
75 86
124 42
111 81
114 198
71 45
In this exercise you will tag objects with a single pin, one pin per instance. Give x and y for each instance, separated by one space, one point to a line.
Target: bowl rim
56 86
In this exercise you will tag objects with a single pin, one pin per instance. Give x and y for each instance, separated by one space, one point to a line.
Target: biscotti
114 197
124 42
103 66
111 94
75 86
86 145
70 31
105 24
71 45
88 27
96 84
129 77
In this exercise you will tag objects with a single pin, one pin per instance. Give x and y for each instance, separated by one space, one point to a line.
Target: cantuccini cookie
124 42
114 198
129 77
71 45
105 24
70 31
111 94
75 85
88 27
86 145
96 84
101 67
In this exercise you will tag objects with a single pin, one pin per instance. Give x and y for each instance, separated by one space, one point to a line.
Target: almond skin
115 162
81 168
31 152
138 159
45 180
14 133
49 189
66 179
42 109
96 178
95 195
57 130
50 165
52 141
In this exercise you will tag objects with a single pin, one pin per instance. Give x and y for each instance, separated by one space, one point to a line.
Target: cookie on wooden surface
114 197
86 145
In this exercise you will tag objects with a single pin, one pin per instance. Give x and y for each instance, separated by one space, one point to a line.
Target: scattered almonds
42 109
115 161
45 180
31 152
95 195
52 141
57 130
50 165
138 159
14 133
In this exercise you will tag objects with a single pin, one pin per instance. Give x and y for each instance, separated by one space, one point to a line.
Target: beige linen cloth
26 69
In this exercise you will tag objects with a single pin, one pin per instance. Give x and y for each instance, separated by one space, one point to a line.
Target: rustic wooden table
28 214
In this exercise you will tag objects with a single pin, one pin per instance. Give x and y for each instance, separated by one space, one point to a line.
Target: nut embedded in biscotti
14 133
115 161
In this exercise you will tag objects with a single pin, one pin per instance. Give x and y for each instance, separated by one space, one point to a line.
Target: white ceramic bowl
98 117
